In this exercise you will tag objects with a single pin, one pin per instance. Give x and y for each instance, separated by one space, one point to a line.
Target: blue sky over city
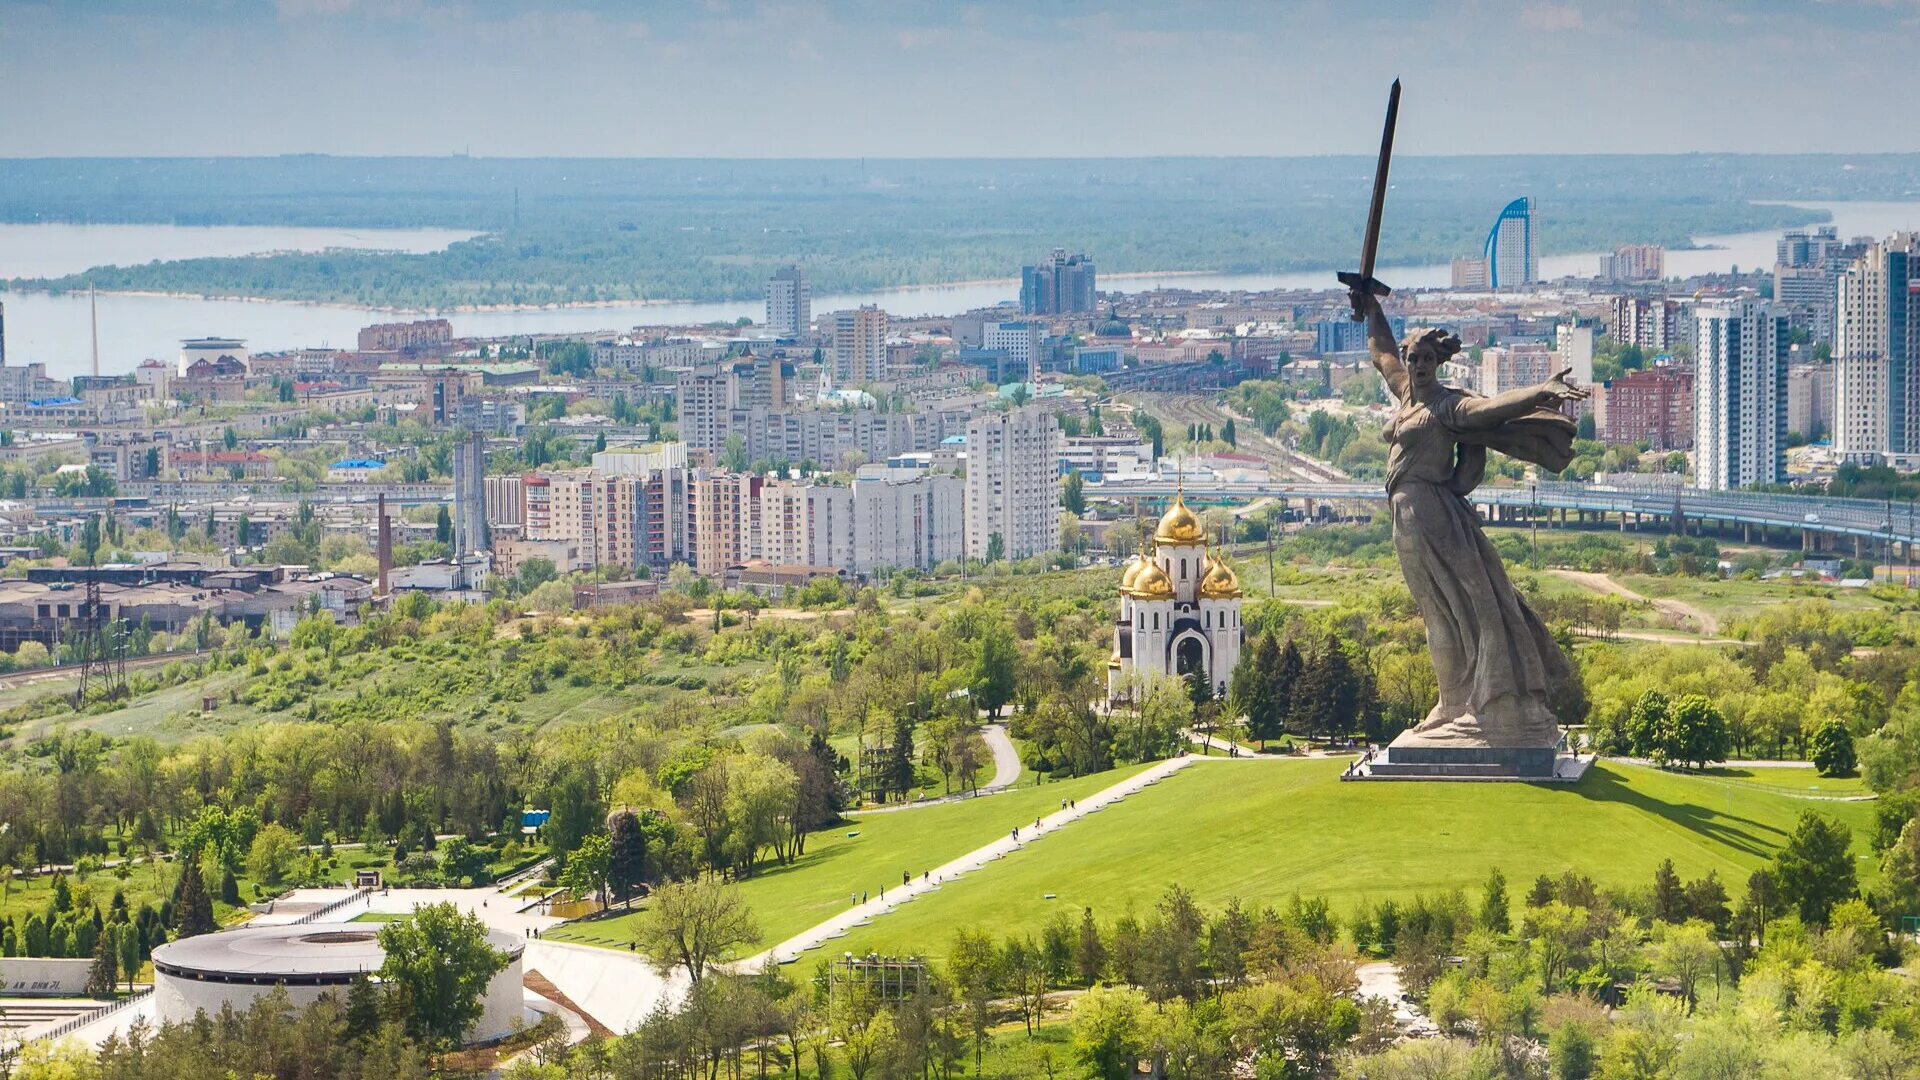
922 78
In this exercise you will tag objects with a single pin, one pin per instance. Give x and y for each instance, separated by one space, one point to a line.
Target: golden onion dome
1132 573
1179 525
1153 584
1114 660
1221 583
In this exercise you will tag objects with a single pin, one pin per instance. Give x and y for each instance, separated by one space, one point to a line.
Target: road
1675 609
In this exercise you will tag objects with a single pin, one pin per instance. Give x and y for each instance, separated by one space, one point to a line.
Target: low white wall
24 976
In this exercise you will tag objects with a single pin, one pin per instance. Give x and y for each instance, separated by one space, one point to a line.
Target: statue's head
1423 352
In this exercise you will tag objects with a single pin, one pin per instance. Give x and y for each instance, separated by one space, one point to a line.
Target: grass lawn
382 916
868 853
1798 781
1262 831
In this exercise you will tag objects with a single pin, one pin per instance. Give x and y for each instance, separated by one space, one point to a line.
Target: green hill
1262 831
867 854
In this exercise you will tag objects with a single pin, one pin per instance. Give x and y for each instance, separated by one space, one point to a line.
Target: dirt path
1678 609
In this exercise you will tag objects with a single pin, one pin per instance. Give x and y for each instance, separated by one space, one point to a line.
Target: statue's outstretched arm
1477 412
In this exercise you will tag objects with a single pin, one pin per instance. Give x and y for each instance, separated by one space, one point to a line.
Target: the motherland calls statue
1496 664
1497 667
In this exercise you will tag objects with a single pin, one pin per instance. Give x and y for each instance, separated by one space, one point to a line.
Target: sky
914 78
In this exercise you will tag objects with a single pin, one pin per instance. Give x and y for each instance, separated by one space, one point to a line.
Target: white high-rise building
1739 394
859 346
789 302
1021 341
1013 473
1877 352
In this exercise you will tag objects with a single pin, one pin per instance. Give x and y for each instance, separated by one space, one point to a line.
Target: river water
55 329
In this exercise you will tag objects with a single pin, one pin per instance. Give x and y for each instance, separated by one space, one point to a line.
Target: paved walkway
1006 773
1020 834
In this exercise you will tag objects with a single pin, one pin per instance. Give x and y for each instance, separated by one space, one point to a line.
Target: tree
898 773
1073 494
1496 912
1647 725
1699 732
1090 953
461 860
1253 690
1669 896
443 526
192 907
1686 953
586 871
437 967
974 966
626 855
695 923
1832 747
104 975
273 850
993 670
1109 1031
1815 870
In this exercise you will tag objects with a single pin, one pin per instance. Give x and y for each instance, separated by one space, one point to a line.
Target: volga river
56 329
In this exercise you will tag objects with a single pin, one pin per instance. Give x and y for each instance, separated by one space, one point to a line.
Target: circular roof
1132 573
294 952
1153 584
1179 525
1221 583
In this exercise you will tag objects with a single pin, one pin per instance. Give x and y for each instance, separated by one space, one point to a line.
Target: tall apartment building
1652 323
1573 348
1806 276
1877 351
1013 472
597 512
887 518
1652 405
723 519
1739 394
1634 262
1510 367
1062 285
21 383
859 353
805 524
789 302
906 520
1509 248
398 337
1810 400
1798 247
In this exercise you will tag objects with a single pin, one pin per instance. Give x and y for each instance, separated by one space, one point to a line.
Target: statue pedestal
1410 757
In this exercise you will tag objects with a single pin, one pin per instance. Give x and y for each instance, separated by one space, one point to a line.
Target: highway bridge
1820 522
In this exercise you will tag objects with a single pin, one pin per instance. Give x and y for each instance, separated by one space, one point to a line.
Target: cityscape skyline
539 80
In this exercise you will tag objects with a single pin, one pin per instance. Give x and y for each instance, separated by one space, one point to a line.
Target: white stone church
1179 612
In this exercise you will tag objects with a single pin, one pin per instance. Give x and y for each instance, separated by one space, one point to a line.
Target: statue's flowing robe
1496 664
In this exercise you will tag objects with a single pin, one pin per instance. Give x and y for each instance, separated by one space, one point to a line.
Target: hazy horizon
918 79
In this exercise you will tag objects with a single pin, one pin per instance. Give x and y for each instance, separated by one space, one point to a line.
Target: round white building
239 967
